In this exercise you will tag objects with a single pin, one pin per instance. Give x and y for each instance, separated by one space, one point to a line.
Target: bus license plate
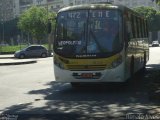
87 75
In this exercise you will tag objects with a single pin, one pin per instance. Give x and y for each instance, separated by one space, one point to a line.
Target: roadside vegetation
31 27
35 21
12 49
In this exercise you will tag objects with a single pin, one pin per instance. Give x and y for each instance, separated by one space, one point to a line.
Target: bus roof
98 6
89 6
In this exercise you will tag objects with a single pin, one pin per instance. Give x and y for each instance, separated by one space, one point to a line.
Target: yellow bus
99 43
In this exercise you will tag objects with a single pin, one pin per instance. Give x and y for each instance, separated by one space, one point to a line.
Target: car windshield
82 33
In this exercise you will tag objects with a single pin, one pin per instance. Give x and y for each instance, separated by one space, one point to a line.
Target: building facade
10 9
22 5
52 5
77 2
137 3
6 10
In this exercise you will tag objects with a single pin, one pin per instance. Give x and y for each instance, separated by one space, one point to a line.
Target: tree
157 1
35 21
151 15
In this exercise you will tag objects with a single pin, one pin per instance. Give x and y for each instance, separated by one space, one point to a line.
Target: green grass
11 48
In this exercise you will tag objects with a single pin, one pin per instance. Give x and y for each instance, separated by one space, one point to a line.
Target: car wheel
21 56
43 55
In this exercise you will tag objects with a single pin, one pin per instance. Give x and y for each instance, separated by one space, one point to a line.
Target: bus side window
145 29
137 26
133 27
142 25
129 27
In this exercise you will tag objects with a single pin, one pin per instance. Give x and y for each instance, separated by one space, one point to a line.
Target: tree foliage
34 21
157 1
151 15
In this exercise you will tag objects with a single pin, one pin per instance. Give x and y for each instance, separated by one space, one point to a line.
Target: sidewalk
11 60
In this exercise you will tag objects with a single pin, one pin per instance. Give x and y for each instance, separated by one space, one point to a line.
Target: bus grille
86 67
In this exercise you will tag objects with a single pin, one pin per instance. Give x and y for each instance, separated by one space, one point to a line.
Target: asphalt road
29 92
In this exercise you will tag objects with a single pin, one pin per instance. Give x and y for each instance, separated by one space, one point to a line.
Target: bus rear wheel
144 63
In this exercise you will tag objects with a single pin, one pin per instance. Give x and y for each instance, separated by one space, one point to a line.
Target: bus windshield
88 33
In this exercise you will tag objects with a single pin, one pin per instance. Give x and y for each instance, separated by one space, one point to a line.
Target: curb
18 63
7 57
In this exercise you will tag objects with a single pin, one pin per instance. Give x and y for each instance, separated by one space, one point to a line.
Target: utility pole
2 22
3 30
48 34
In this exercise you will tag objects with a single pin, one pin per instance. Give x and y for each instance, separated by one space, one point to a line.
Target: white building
22 5
6 10
54 5
77 2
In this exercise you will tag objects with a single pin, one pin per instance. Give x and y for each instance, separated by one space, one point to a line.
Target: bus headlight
117 62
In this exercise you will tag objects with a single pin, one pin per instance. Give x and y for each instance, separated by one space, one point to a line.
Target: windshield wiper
84 48
96 41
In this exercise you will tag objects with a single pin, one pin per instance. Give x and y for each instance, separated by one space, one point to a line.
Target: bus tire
144 63
143 69
132 67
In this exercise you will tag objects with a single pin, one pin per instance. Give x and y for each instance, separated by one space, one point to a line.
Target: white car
155 44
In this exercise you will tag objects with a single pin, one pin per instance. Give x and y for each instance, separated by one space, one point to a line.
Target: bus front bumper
108 75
